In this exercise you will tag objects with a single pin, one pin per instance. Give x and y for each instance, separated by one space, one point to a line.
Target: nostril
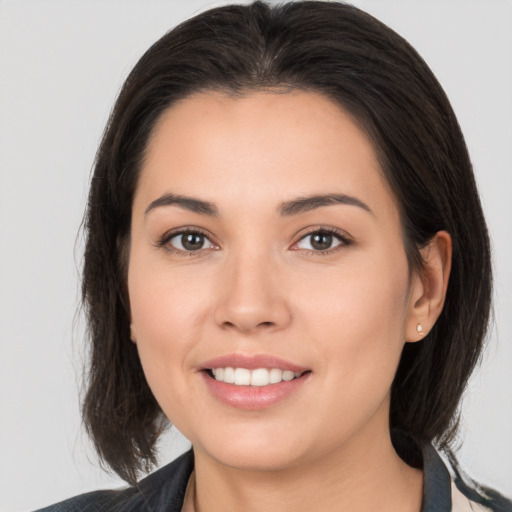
233 325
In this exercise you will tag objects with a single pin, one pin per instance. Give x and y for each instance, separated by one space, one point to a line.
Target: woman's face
265 239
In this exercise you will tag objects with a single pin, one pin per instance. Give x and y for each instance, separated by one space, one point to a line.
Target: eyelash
164 241
342 238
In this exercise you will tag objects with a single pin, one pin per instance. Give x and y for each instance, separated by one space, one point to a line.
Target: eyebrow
286 209
188 203
306 204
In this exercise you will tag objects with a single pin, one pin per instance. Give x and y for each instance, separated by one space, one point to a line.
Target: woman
286 258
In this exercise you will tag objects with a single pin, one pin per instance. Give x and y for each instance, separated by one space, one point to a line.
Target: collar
437 496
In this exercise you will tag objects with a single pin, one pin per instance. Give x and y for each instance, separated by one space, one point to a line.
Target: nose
252 296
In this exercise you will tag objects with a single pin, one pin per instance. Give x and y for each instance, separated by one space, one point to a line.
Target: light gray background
61 65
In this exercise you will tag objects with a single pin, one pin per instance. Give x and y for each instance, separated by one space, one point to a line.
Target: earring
419 329
132 336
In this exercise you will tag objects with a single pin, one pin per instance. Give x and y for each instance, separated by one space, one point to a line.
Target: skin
257 286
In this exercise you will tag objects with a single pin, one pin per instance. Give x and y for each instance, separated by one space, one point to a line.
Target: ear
429 285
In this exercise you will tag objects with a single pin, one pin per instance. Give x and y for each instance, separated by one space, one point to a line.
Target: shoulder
452 490
94 502
162 490
446 488
460 503
471 497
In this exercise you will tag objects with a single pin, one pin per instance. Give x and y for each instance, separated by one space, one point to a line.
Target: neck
363 475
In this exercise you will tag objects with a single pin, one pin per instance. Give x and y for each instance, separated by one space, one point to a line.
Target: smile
253 382
257 377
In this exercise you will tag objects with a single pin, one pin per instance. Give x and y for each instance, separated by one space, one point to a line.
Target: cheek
165 299
357 321
167 316
166 311
357 327
367 297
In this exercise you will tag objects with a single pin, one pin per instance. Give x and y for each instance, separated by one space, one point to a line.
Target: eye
188 241
321 241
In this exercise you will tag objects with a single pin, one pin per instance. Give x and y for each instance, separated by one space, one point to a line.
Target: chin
252 451
250 458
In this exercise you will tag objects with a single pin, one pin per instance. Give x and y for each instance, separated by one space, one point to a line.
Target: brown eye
190 241
321 241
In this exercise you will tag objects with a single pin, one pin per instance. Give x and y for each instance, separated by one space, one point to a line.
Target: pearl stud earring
419 329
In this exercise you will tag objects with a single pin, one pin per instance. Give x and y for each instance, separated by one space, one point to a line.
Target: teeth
242 377
275 376
258 377
229 375
288 375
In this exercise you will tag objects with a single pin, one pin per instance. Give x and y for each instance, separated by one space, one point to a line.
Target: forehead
261 146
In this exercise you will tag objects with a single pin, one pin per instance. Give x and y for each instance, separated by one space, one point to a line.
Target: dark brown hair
370 71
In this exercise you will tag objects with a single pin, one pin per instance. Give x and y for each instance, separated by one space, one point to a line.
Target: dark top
164 491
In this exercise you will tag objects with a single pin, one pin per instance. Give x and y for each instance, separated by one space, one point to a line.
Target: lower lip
253 397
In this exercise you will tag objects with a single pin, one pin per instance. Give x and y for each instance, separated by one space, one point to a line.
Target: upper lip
252 362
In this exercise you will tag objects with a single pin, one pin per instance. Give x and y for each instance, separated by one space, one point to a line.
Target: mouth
253 382
258 377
